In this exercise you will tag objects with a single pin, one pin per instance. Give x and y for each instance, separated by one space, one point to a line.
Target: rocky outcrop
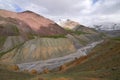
75 26
39 49
69 24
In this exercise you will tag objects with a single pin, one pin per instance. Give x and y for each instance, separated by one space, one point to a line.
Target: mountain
39 24
107 26
32 37
80 34
111 33
75 26
16 28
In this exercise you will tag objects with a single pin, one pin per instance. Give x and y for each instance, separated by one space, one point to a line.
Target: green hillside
10 75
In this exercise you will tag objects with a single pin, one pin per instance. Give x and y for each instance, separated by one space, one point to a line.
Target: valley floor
102 63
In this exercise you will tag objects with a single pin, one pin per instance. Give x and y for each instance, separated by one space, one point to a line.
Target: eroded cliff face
39 49
11 42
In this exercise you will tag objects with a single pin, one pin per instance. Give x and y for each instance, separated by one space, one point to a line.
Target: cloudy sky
86 12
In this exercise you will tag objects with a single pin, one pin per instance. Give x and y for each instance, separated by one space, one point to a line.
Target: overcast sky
84 11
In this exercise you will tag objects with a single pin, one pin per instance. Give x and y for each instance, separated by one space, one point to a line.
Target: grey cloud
107 7
82 11
56 7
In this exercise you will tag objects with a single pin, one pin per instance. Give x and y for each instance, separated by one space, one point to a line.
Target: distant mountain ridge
107 26
109 29
76 26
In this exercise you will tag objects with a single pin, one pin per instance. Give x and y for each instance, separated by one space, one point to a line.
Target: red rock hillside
39 24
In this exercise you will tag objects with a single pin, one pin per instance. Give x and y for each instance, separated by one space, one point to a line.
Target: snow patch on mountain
107 26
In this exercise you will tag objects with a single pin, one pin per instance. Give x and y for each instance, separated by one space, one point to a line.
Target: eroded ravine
56 62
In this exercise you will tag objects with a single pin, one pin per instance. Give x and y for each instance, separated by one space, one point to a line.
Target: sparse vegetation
54 36
26 71
116 38
15 29
62 78
2 40
46 71
62 67
33 71
75 32
30 36
38 78
13 67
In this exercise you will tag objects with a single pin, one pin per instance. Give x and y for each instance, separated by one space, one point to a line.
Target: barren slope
39 24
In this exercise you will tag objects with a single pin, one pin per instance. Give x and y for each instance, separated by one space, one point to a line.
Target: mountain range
108 26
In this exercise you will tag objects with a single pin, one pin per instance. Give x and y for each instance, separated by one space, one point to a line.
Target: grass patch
75 32
10 28
15 29
2 40
116 38
9 75
85 75
55 36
